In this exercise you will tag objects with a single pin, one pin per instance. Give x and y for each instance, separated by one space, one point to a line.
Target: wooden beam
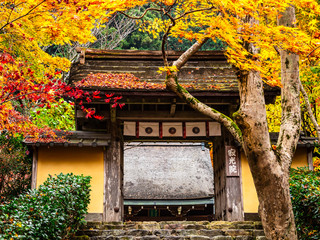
210 94
161 115
34 168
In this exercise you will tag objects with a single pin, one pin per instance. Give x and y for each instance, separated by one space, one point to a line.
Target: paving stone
196 237
111 226
244 226
237 232
90 233
147 238
173 238
161 232
258 233
183 232
244 238
113 232
261 238
222 238
149 226
138 232
211 232
195 226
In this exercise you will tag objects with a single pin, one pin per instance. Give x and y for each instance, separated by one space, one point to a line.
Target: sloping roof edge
72 138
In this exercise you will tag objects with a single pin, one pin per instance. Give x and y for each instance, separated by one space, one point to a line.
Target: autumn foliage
19 91
30 77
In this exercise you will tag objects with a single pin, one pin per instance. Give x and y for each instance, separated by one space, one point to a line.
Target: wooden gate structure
152 113
156 114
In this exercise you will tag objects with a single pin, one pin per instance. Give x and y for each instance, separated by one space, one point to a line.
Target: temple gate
150 113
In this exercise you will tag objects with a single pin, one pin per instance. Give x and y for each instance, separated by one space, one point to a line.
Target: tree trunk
269 164
270 179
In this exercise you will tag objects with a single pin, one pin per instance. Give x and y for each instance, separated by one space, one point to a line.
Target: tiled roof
207 70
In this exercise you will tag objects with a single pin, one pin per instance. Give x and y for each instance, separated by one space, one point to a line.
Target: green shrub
15 167
305 196
54 211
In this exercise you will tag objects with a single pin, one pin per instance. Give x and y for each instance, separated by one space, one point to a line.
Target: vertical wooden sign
232 162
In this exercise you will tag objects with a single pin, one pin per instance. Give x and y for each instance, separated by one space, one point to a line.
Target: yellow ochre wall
85 160
250 199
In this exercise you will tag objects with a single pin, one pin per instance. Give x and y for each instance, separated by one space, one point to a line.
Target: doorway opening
167 181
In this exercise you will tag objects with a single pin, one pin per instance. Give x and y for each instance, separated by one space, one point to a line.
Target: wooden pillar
113 164
34 168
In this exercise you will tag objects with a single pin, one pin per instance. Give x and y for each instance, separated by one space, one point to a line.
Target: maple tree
265 41
29 76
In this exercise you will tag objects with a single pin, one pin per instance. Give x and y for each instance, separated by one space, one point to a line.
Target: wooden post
113 164
219 179
34 168
227 179
234 206
309 157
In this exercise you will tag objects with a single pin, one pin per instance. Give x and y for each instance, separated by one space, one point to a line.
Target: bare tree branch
310 113
165 38
193 11
143 14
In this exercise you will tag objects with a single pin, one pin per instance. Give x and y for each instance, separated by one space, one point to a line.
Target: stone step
175 225
218 230
189 237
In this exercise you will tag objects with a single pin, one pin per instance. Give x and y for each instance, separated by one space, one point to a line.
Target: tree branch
290 99
193 11
313 51
17 97
143 14
310 113
22 15
164 39
173 85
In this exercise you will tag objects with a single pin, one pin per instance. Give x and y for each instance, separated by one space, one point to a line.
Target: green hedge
54 211
305 196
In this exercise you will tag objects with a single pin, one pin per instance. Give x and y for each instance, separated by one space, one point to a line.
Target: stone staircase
218 230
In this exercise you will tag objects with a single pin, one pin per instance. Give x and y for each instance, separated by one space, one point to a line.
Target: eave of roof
302 142
72 138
